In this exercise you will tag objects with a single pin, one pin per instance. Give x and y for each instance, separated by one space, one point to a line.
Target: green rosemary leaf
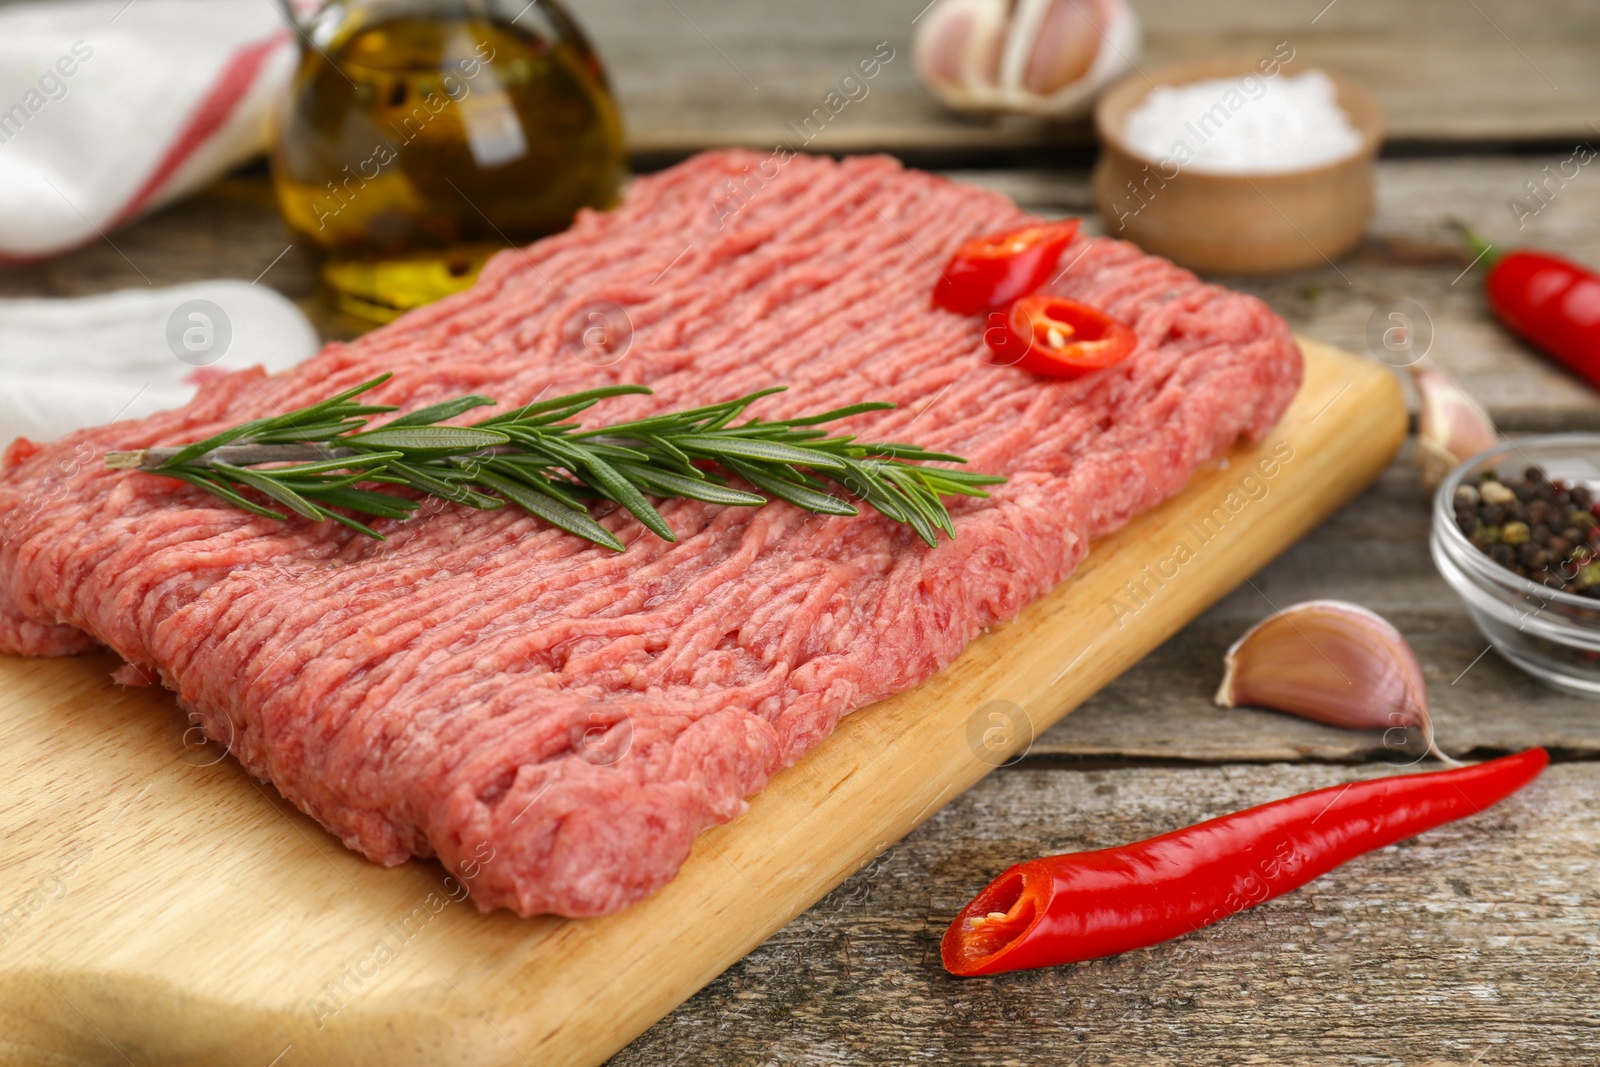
838 413
269 485
542 441
615 453
776 432
334 464
319 483
668 484
322 406
610 483
326 431
584 398
567 518
665 451
537 477
359 527
718 416
449 409
801 477
901 450
965 477
200 448
424 439
906 481
222 490
957 483
442 483
384 505
912 503
925 529
554 421
724 411
759 451
883 503
799 495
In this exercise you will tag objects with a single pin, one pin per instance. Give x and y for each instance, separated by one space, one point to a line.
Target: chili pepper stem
1481 248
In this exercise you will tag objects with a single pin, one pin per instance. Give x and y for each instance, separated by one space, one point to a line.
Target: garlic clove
1064 45
1451 426
1333 662
957 50
1040 57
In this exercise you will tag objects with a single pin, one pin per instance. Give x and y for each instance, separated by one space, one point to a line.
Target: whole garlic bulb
1037 57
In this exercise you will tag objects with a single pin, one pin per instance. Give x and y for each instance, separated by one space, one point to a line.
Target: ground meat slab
482 685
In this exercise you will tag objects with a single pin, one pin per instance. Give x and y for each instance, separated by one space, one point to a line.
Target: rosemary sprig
536 457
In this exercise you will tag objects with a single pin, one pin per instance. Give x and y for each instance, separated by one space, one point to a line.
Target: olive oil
421 137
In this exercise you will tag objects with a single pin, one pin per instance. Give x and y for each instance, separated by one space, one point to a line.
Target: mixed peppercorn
1541 529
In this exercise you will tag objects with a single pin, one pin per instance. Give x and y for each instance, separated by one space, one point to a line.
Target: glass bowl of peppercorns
1516 532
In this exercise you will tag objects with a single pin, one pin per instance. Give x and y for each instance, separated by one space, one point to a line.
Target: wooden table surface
1472 945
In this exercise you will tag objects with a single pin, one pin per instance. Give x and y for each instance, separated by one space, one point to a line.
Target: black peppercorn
1540 528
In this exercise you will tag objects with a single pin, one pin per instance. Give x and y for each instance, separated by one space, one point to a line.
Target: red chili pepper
1551 301
1084 905
1056 337
990 272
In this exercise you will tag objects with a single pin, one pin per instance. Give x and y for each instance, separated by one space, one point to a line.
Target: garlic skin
1451 426
958 43
1333 662
1037 57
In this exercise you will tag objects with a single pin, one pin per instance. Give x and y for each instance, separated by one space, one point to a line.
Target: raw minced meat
482 685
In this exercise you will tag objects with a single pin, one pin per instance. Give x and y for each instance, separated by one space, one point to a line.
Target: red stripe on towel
231 86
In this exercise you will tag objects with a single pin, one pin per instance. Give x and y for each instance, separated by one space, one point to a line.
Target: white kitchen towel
67 364
110 108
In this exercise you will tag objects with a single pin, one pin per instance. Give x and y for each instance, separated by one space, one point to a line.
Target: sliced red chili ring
1056 337
991 272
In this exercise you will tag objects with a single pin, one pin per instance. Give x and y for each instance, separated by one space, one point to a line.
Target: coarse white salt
1248 125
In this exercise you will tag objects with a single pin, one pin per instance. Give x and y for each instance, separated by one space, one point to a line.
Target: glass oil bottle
422 136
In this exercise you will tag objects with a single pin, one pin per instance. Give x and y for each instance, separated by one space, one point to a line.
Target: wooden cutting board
163 908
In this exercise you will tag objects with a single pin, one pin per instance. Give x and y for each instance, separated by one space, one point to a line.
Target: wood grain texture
692 74
697 73
1374 552
179 914
1472 944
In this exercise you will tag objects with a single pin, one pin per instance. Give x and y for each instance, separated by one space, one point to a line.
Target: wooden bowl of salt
1238 166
